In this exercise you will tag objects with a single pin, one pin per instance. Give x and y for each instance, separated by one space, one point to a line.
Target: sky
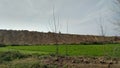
78 16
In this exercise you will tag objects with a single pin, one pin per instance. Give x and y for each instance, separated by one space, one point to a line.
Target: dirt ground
82 62
63 62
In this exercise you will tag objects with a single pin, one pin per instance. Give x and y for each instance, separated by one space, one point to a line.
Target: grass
73 50
19 56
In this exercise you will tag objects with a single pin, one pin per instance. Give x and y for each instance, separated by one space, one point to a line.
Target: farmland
73 50
43 56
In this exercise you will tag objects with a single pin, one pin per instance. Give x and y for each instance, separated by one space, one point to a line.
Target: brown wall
12 37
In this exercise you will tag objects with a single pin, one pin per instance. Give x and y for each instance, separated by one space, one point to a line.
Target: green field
73 50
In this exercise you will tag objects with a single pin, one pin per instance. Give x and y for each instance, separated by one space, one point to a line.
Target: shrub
11 55
92 43
1 45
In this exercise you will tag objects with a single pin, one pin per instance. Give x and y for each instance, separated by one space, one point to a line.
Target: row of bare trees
56 26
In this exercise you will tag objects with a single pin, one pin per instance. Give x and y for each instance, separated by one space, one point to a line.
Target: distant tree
66 48
102 26
55 27
116 10
102 31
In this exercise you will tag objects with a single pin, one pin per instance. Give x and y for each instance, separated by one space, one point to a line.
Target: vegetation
9 56
73 50
43 56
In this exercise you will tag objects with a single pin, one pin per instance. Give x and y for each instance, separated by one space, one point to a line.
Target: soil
82 62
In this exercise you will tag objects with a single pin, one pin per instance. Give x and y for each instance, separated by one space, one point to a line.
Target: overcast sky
83 16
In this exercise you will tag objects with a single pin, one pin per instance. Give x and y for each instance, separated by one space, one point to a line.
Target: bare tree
66 48
116 22
102 31
55 27
102 26
116 10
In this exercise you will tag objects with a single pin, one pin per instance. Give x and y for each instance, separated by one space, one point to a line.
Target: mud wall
12 37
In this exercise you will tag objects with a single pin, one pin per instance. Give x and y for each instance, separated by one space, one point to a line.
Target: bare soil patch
81 62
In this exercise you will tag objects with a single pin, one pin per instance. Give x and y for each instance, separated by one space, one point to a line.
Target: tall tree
116 22
117 14
55 28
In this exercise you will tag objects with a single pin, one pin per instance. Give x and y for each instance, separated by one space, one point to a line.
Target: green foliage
10 55
92 43
1 45
16 55
116 52
73 50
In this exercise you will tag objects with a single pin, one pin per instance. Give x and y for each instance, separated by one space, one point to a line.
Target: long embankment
24 37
